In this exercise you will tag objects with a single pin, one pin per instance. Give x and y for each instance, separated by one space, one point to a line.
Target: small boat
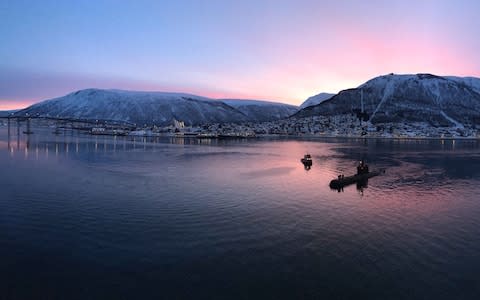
363 174
307 160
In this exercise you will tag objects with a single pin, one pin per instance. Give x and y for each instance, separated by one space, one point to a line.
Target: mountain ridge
157 108
438 100
317 99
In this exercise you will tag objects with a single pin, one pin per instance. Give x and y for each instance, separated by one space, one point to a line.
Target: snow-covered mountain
317 99
440 101
259 110
157 108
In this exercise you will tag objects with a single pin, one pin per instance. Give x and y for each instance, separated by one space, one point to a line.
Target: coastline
351 137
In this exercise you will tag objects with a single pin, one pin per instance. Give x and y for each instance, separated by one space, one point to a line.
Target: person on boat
362 168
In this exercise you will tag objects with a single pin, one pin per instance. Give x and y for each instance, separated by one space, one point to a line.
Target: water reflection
437 159
43 144
361 185
46 142
132 205
428 165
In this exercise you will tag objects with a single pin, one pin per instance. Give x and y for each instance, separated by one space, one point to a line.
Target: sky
278 50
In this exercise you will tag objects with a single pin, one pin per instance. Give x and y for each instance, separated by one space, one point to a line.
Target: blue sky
276 50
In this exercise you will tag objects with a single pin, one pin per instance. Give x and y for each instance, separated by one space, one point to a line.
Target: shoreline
305 136
302 136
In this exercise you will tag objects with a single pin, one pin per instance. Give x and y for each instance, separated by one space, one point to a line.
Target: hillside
258 110
157 108
317 99
439 101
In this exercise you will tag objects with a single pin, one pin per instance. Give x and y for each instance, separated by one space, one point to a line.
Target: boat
307 160
363 174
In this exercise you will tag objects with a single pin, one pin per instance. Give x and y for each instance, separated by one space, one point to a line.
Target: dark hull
339 183
306 162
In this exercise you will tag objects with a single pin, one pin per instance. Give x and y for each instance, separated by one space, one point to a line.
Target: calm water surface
86 217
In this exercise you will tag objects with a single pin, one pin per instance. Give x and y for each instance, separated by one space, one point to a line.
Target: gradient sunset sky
275 50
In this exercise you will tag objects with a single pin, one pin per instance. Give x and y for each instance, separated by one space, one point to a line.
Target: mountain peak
317 99
156 108
132 93
438 100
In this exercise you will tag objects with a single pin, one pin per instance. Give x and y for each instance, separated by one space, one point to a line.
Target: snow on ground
472 82
317 99
387 93
244 102
457 124
158 107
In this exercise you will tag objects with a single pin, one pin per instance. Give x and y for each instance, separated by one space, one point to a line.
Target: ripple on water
242 216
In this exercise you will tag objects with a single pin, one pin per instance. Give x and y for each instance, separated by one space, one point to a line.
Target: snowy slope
471 82
441 101
262 110
317 99
144 107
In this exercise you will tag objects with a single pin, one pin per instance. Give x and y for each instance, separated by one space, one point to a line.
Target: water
86 217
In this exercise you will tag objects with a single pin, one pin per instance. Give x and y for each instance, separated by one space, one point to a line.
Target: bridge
67 122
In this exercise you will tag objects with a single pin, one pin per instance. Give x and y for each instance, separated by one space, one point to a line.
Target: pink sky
283 51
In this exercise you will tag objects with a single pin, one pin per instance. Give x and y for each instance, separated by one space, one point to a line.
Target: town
348 125
316 126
